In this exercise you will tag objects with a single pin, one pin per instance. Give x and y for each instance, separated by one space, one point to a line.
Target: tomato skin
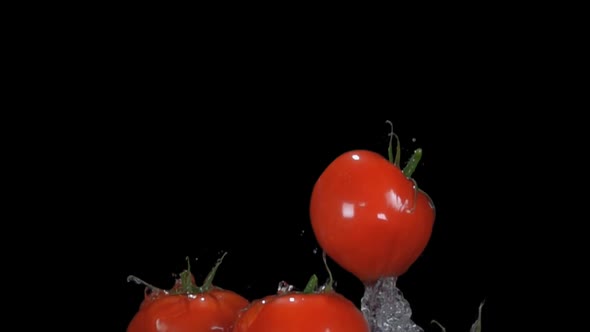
368 217
214 310
296 312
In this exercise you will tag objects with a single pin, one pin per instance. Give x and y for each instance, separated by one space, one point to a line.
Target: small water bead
284 287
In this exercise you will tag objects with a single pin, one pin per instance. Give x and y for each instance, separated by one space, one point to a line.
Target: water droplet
315 251
414 139
284 287
302 232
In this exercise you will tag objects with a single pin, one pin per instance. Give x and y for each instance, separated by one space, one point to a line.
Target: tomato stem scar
394 159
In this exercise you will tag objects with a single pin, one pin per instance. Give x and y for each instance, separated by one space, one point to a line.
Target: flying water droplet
284 287
315 251
414 139
302 232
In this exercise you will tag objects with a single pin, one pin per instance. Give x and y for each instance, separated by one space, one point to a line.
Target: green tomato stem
476 327
439 325
208 284
187 284
141 282
312 285
395 159
412 163
330 284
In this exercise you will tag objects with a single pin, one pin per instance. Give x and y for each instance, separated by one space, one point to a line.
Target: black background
240 182
182 154
176 146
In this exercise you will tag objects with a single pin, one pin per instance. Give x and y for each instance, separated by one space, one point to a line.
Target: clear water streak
386 309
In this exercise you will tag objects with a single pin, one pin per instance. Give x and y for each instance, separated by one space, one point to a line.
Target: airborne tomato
317 311
369 217
187 307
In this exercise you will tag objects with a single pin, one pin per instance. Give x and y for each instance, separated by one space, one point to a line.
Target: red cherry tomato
188 308
215 310
297 312
370 218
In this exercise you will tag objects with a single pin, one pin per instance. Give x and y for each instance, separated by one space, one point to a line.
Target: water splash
386 309
284 288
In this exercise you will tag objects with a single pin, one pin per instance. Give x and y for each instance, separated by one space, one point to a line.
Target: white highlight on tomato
347 210
395 201
356 157
160 326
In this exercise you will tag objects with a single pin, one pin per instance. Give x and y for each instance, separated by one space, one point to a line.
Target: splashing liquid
284 288
386 309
